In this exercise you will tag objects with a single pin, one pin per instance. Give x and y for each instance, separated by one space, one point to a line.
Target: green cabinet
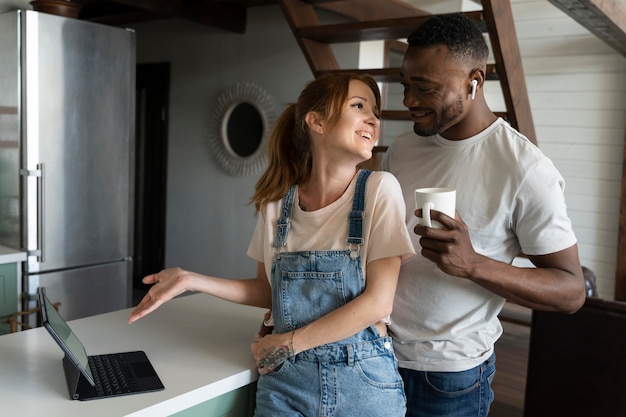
9 296
237 403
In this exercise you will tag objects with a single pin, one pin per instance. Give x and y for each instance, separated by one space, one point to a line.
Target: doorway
152 104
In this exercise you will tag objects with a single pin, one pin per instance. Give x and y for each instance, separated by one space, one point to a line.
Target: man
509 201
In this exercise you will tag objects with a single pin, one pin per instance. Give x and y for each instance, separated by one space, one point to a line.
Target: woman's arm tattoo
274 357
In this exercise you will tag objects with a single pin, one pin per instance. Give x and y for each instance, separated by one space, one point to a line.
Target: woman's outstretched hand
167 284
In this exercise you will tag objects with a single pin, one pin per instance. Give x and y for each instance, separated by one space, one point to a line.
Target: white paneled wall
577 90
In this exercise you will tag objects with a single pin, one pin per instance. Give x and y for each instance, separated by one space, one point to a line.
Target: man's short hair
459 33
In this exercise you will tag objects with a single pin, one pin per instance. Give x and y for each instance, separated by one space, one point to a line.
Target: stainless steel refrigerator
67 106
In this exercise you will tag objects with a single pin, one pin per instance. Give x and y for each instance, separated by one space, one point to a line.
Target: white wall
208 221
577 91
209 224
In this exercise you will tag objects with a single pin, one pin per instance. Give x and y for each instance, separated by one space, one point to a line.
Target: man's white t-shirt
510 196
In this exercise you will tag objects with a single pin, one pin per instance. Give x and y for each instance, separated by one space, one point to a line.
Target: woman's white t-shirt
384 230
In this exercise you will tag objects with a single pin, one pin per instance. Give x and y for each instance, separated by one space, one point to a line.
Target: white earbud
474 84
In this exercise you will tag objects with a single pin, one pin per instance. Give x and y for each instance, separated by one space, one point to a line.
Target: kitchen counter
10 255
199 345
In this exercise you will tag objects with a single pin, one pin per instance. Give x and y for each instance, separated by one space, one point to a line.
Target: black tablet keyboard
109 375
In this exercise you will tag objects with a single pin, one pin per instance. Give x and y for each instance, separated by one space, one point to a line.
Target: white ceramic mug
440 199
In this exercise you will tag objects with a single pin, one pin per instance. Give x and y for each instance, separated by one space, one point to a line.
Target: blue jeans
357 379
451 394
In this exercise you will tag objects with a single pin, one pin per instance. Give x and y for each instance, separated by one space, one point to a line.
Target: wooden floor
511 362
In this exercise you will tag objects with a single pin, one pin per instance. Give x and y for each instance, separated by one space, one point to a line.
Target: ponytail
289 159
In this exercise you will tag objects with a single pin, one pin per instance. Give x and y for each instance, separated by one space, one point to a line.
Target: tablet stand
77 385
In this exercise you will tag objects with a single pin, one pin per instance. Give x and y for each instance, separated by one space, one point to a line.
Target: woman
329 242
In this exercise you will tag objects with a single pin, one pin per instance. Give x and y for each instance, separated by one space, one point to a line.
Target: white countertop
10 255
199 346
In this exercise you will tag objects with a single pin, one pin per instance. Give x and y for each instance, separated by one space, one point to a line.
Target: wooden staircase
496 19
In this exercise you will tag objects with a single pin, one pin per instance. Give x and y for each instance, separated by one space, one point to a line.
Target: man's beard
449 116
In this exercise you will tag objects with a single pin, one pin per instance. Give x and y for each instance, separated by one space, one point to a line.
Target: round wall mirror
244 129
240 124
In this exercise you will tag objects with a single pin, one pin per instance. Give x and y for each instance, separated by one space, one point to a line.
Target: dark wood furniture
576 363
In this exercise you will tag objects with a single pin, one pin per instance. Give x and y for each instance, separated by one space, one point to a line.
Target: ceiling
229 15
605 19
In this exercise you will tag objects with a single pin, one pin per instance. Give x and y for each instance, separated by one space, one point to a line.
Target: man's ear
476 80
315 122
479 75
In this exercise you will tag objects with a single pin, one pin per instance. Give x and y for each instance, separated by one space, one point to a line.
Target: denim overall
356 376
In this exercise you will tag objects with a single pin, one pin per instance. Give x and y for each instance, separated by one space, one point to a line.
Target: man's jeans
451 394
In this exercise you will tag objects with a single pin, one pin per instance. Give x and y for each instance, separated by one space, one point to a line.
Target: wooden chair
576 365
16 319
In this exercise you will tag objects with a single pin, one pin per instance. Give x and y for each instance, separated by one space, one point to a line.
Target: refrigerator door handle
39 174
40 217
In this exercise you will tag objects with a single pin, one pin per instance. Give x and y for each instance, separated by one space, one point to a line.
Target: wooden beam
368 31
228 16
362 10
165 7
504 45
604 18
319 56
121 18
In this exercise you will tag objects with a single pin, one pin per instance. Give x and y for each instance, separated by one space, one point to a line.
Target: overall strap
284 221
355 231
